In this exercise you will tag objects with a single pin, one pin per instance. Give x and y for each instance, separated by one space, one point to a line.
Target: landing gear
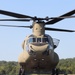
21 71
55 71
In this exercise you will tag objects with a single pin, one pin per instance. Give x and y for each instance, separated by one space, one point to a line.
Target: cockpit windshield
38 40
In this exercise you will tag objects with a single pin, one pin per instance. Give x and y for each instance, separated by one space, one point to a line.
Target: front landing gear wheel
21 71
55 72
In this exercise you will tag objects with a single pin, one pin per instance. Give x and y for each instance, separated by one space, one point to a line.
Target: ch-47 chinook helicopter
38 48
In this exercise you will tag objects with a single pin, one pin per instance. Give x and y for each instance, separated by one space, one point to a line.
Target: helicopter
38 48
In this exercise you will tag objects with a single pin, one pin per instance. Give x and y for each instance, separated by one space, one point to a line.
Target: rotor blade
56 29
16 26
62 17
14 19
14 14
59 19
23 19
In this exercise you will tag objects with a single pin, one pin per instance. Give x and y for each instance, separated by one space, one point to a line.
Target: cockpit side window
50 41
56 42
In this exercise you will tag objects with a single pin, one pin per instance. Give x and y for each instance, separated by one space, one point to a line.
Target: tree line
12 67
67 65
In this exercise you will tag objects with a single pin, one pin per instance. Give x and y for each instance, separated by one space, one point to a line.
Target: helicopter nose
39 48
46 52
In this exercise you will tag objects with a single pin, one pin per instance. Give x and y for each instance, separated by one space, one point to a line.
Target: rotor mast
38 29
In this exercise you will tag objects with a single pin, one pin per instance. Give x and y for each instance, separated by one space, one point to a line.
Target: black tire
53 72
23 72
57 72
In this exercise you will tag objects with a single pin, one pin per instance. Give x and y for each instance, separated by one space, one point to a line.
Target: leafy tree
12 68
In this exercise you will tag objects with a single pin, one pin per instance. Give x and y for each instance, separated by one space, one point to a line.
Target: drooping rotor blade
62 17
59 19
15 19
56 29
16 26
14 14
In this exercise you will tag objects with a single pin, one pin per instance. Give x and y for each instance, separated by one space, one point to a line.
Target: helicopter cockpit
38 40
48 41
44 44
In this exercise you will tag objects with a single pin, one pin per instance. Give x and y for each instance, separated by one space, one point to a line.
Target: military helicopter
38 48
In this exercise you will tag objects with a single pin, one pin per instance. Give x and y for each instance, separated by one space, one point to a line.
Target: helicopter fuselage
38 53
38 50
